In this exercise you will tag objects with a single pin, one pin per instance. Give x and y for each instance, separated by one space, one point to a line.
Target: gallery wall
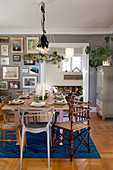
93 40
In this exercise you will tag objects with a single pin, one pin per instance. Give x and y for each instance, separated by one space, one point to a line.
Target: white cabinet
104 100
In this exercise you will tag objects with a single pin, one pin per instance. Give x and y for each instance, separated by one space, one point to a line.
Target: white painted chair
36 128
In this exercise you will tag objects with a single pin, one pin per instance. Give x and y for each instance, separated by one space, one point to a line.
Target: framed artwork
17 45
14 85
10 72
4 61
3 85
31 44
4 50
16 58
4 39
25 70
33 69
29 81
29 62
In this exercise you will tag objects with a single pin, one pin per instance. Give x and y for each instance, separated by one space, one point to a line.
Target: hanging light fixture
43 44
69 52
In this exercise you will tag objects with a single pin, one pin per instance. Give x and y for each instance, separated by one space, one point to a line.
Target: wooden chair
79 123
8 113
10 127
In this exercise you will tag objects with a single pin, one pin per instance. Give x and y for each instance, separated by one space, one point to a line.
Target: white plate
38 104
16 102
60 102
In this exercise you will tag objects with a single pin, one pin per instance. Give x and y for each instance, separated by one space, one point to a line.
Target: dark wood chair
79 123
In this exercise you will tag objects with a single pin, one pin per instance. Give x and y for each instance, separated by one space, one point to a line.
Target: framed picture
29 81
10 72
16 58
3 85
4 50
17 45
25 70
31 43
4 39
4 61
29 62
33 69
14 85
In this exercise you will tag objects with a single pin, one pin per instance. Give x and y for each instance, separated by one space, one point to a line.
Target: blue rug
37 148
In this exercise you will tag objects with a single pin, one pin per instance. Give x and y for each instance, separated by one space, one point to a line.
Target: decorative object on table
29 81
16 58
28 61
32 44
4 61
25 70
17 45
42 45
15 102
10 72
40 90
4 50
34 70
4 39
14 85
99 54
3 85
60 90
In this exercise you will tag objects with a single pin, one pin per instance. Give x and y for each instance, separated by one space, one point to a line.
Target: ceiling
62 16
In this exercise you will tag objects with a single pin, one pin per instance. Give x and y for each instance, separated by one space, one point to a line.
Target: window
73 64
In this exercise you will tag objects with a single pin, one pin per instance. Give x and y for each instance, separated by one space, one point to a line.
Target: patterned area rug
37 148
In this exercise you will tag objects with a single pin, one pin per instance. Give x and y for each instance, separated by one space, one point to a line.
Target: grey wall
93 40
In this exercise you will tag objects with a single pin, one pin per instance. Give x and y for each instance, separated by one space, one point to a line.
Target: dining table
27 105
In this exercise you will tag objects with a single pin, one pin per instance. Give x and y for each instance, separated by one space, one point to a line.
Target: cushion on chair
67 125
36 125
10 126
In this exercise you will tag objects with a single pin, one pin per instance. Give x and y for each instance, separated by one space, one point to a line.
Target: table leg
17 120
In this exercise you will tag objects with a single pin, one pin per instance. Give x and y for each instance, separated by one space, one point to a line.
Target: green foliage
100 54
40 57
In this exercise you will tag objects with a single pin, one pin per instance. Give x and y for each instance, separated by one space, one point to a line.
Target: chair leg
8 117
3 138
89 141
22 147
48 148
19 138
53 138
71 146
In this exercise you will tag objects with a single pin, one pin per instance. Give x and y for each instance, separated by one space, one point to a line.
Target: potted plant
99 54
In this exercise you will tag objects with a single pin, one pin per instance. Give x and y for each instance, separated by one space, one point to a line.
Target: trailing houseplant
99 54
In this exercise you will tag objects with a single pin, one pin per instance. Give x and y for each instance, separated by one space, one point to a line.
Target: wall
93 40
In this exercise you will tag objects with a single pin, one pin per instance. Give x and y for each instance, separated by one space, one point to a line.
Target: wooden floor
102 135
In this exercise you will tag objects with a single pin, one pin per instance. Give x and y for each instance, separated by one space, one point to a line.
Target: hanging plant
99 54
40 57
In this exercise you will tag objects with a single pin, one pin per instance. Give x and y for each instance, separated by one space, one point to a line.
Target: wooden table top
27 105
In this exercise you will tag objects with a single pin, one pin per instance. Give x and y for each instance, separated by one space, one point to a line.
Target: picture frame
4 61
34 70
17 45
14 85
10 72
4 39
29 62
31 44
4 50
29 81
16 58
3 85
25 70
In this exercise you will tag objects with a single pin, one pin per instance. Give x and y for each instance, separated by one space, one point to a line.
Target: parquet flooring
102 135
